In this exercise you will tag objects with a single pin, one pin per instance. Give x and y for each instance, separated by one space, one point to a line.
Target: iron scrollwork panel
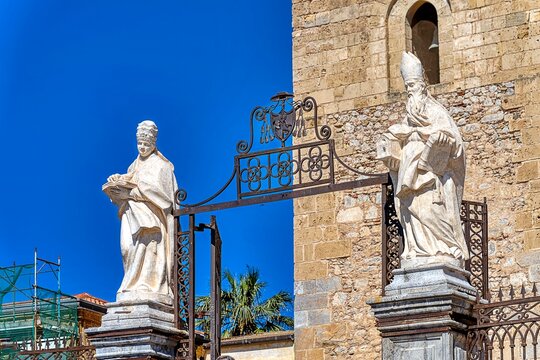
79 353
392 237
183 258
58 348
474 223
283 119
285 169
506 329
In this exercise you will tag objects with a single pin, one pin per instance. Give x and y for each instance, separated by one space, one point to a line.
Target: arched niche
424 39
406 17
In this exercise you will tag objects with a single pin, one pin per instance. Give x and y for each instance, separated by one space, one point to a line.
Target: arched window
424 38
434 45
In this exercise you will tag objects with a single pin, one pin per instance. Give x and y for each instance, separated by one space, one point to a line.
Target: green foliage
243 312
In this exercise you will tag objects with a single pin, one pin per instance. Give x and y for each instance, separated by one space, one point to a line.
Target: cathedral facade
482 62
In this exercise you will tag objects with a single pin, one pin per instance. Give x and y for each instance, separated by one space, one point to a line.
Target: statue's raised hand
114 178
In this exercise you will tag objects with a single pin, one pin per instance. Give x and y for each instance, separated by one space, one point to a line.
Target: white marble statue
426 159
145 199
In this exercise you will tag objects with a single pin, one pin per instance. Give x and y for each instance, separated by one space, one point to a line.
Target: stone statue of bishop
426 159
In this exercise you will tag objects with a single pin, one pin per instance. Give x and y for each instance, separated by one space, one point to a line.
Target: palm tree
243 312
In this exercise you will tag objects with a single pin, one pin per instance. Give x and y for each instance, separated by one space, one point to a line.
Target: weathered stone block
322 218
325 202
331 332
415 301
319 317
536 218
315 354
518 18
354 214
534 272
528 258
307 251
311 302
327 285
531 152
305 205
300 319
308 235
333 249
531 135
527 171
304 338
532 239
300 355
298 253
311 270
330 233
523 220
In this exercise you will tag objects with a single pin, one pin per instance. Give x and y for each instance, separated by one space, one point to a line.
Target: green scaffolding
32 316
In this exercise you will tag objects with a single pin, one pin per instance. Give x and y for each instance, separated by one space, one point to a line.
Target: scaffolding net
33 317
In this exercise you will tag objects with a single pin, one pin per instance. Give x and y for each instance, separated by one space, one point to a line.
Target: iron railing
59 348
507 328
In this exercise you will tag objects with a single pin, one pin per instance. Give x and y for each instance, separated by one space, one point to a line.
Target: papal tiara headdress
147 130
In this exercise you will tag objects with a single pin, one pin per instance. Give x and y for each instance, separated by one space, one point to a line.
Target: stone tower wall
346 54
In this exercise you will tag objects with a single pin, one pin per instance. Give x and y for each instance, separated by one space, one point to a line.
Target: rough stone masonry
344 56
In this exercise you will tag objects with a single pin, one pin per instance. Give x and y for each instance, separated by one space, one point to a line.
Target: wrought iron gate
185 291
285 172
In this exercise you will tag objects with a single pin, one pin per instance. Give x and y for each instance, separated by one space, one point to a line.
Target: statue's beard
415 108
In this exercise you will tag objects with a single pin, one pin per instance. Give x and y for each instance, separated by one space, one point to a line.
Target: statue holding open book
426 159
145 199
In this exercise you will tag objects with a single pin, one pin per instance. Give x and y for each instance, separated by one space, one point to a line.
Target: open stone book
112 189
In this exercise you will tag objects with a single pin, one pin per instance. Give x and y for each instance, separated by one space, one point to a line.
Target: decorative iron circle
284 169
254 174
242 146
314 163
181 195
326 132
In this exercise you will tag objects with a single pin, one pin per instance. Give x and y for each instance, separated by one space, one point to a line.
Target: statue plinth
136 329
425 312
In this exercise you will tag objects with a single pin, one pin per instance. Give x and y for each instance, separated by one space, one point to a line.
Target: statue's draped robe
428 205
147 229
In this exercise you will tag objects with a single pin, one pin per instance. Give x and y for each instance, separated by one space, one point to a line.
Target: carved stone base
135 330
425 313
447 345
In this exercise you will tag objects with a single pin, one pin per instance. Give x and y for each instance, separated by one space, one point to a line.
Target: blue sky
75 79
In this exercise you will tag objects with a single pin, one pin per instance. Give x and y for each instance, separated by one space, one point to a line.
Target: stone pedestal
136 330
425 313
